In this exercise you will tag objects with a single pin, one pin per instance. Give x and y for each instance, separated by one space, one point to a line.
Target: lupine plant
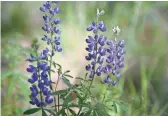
105 59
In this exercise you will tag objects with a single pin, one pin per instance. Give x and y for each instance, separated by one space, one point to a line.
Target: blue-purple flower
95 48
105 56
44 54
51 25
32 58
107 79
43 83
115 56
40 81
95 27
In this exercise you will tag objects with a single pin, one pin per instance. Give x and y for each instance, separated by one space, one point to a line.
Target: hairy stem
50 67
56 88
105 93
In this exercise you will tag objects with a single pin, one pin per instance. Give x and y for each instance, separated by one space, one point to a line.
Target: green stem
105 93
50 67
56 89
79 111
94 70
58 102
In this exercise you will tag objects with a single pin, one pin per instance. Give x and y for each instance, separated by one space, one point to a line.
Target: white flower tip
100 13
116 30
115 39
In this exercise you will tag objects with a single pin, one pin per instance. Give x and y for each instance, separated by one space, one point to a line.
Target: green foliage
6 75
137 99
51 111
60 92
17 18
43 113
13 80
67 100
66 81
31 111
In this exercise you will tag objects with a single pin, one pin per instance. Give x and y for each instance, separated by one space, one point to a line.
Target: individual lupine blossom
115 57
43 56
40 83
51 25
95 27
96 49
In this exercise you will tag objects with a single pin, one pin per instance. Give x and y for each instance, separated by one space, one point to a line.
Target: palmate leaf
60 92
60 67
80 78
66 75
67 99
43 113
66 71
66 81
115 107
122 106
100 110
88 113
79 94
94 113
52 70
73 105
31 111
72 112
62 111
101 113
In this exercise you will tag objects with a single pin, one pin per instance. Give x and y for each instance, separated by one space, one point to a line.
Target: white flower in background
116 30
100 13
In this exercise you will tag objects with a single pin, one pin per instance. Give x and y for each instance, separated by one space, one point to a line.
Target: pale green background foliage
144 27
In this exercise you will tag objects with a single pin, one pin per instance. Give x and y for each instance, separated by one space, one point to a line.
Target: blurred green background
144 27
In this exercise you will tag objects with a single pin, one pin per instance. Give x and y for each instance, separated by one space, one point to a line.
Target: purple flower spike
96 49
107 79
51 24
